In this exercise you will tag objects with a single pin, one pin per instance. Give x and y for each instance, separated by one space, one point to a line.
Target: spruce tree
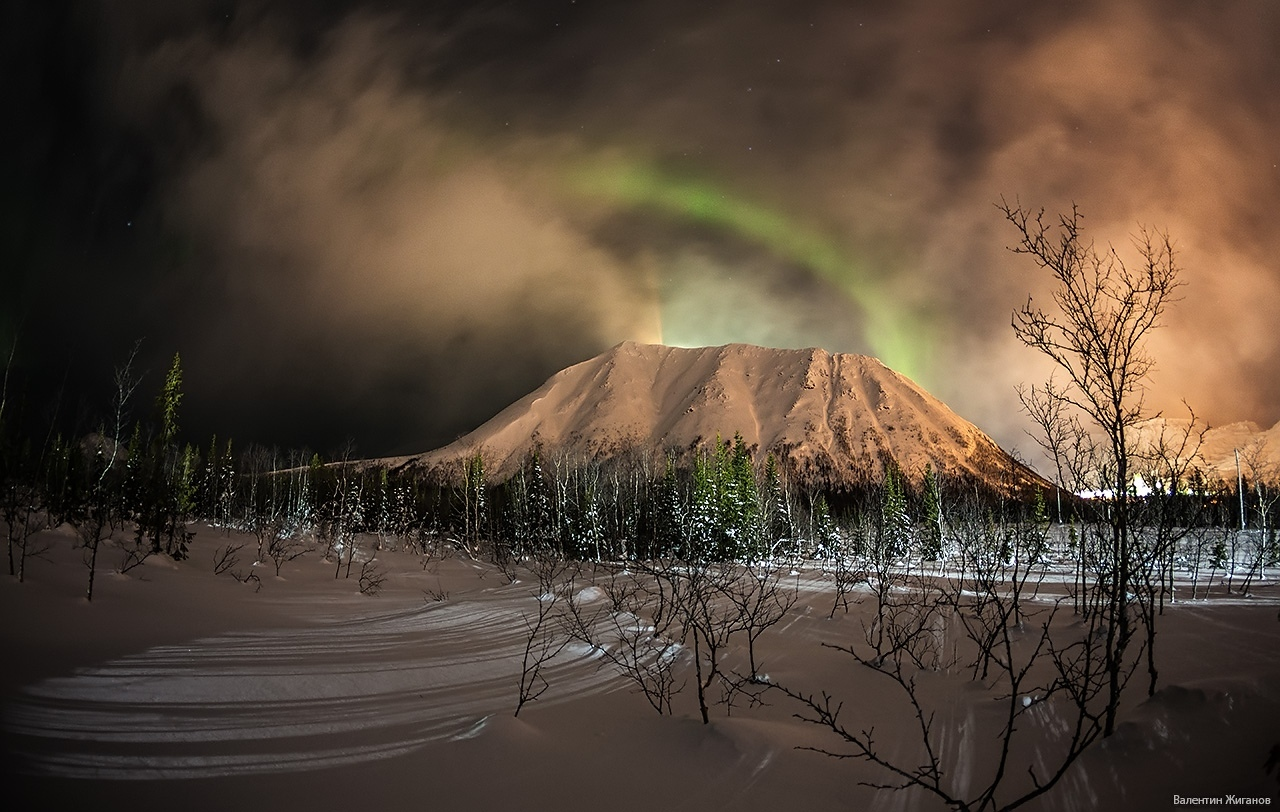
133 489
162 506
742 503
704 508
590 533
540 516
825 540
895 522
669 513
185 482
780 523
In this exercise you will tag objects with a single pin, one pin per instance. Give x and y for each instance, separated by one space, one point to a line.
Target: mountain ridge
834 419
1216 447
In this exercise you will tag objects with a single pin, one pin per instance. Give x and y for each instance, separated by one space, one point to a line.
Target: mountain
1215 451
832 419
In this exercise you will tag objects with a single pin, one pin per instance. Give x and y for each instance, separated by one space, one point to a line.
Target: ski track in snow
347 690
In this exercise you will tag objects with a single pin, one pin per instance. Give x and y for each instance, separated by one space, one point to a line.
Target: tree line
136 477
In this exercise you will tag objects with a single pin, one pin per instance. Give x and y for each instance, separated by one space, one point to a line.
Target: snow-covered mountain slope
833 418
1215 449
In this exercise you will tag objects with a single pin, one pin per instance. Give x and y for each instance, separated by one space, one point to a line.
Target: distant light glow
897 337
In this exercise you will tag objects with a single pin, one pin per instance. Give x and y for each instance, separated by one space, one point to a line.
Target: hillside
834 419
1259 449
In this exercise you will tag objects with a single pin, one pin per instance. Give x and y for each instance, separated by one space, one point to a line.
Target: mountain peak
833 419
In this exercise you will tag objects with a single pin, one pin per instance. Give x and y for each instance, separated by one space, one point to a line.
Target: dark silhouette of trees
971 629
1095 332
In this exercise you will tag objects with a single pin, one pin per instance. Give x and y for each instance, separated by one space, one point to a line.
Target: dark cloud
352 218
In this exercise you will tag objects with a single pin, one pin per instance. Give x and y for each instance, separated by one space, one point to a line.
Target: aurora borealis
385 220
890 332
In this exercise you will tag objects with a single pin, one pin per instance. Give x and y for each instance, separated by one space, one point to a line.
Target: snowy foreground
180 689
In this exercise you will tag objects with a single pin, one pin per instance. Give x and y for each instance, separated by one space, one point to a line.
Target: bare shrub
762 599
225 558
250 578
371 578
23 518
706 616
550 568
641 640
91 529
282 549
436 595
1039 674
135 552
543 641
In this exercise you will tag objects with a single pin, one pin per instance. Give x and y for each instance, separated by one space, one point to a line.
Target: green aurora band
894 336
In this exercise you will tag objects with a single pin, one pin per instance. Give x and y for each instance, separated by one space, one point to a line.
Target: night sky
385 221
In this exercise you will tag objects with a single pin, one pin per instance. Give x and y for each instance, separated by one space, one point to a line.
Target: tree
166 485
1041 680
92 527
475 500
588 530
740 503
543 642
107 496
823 535
539 518
777 518
1167 465
4 383
1264 473
20 508
670 511
761 600
1095 332
895 522
704 517
1073 453
343 512
933 531
637 630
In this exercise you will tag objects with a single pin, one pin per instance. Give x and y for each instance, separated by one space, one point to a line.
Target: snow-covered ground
178 688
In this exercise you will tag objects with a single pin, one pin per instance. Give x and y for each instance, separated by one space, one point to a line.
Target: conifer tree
539 518
741 504
778 520
895 522
670 519
822 529
162 491
169 401
704 507
185 482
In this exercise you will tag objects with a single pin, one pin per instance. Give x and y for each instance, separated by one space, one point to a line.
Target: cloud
341 216
375 234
